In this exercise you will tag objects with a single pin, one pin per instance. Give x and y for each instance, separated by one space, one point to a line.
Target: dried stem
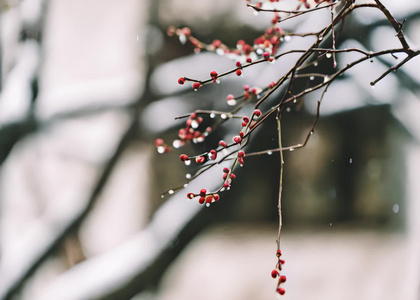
281 177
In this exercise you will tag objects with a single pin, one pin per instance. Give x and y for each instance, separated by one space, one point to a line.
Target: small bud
222 143
196 85
274 273
237 139
230 97
201 200
226 184
226 170
245 119
272 84
181 80
232 176
238 72
184 157
203 192
216 43
257 112
282 278
246 87
216 197
241 153
213 74
193 116
282 261
278 253
238 64
249 60
241 134
190 195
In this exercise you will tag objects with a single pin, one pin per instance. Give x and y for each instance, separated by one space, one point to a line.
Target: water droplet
162 196
256 13
320 38
331 224
218 81
188 176
185 185
160 149
269 152
288 109
328 55
287 38
312 132
312 78
207 204
350 160
200 139
212 115
177 143
260 51
223 116
326 78
187 162
292 149
295 100
231 102
170 192
194 124
316 64
220 51
395 208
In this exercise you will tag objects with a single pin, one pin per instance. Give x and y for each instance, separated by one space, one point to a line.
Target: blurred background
86 87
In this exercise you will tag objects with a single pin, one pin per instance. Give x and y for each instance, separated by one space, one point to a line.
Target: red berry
181 80
238 72
184 157
186 31
281 291
158 142
216 43
190 195
282 278
213 154
201 200
278 253
274 273
232 176
216 197
249 60
272 84
222 143
241 134
230 97
226 170
238 64
257 112
209 199
203 192
196 85
241 153
213 74
266 55
193 116
246 87
199 159
245 119
237 139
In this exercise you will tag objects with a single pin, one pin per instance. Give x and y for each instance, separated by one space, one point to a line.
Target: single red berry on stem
190 195
181 80
213 74
281 290
238 72
237 139
274 273
222 143
257 112
184 157
203 192
282 278
213 154
196 85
